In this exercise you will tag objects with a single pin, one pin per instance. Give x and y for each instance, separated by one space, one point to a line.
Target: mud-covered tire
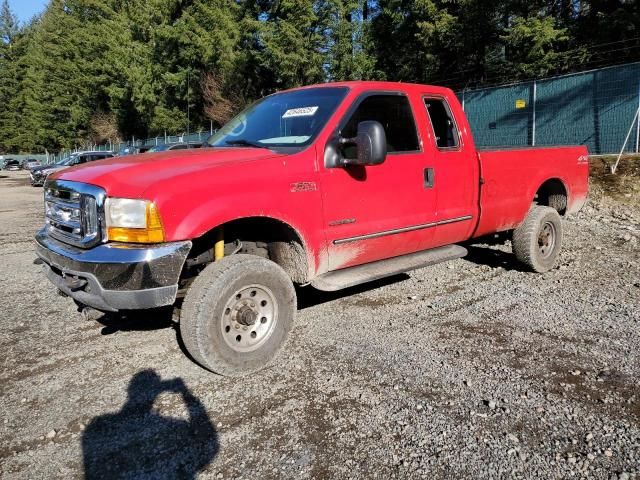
237 314
538 240
558 202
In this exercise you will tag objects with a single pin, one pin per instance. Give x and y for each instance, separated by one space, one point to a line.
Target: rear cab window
445 130
393 111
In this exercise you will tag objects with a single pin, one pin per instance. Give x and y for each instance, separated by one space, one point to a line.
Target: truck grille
73 212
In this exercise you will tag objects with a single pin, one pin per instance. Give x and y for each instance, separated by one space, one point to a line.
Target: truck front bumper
112 277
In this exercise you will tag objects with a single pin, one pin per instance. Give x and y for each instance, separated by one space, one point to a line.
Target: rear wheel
237 314
537 241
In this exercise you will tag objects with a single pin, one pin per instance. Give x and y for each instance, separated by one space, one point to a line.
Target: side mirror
370 142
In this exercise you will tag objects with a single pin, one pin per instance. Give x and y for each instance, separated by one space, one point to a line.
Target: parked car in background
30 163
129 150
174 146
11 164
40 174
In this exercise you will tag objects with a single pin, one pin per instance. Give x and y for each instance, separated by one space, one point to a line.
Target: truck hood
130 176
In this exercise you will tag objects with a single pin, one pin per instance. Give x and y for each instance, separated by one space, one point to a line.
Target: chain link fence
198 137
136 144
596 108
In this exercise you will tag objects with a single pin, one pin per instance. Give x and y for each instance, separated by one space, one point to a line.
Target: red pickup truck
330 185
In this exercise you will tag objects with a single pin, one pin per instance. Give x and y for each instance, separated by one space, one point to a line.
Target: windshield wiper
241 142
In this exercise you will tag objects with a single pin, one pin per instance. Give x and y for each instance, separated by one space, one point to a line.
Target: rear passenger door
379 211
455 172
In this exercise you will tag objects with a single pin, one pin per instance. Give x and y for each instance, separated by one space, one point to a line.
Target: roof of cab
362 85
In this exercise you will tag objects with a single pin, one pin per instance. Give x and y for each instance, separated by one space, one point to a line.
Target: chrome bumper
112 277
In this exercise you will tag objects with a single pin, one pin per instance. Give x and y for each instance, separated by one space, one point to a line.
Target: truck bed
511 177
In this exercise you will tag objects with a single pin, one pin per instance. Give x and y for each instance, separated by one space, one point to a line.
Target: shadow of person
137 442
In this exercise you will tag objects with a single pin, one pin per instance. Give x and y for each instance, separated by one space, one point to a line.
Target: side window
179 147
82 159
444 127
394 113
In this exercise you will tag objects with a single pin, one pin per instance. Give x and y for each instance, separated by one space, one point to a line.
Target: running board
349 277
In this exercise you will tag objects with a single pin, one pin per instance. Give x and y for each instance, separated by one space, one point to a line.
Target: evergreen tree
96 69
613 26
290 42
9 26
531 46
156 56
349 56
58 85
10 47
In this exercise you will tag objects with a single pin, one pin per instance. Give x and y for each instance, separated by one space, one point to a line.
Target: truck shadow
492 258
139 441
145 320
168 317
310 297
138 320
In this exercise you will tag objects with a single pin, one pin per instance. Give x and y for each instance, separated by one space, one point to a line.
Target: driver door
380 211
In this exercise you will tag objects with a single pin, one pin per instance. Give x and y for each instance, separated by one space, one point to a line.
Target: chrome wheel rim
546 239
249 318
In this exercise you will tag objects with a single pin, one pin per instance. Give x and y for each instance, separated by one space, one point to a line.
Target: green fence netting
594 108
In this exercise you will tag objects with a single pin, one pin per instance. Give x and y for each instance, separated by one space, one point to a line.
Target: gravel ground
470 369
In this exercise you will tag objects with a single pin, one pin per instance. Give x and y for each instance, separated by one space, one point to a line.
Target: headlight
135 221
126 213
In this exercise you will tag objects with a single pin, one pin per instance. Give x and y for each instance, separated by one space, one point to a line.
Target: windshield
289 119
158 148
66 160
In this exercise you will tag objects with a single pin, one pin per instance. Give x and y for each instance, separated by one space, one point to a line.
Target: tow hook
74 283
91 314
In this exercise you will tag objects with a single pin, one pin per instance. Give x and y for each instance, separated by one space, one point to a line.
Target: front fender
299 216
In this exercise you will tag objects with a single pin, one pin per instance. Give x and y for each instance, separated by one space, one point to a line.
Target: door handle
429 177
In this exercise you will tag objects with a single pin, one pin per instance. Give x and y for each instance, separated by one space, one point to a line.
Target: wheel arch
277 239
554 193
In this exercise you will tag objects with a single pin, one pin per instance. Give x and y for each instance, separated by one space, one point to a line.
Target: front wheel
237 314
536 243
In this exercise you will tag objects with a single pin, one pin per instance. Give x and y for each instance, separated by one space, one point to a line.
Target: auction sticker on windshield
300 112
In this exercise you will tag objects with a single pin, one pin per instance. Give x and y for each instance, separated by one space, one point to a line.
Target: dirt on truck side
471 369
